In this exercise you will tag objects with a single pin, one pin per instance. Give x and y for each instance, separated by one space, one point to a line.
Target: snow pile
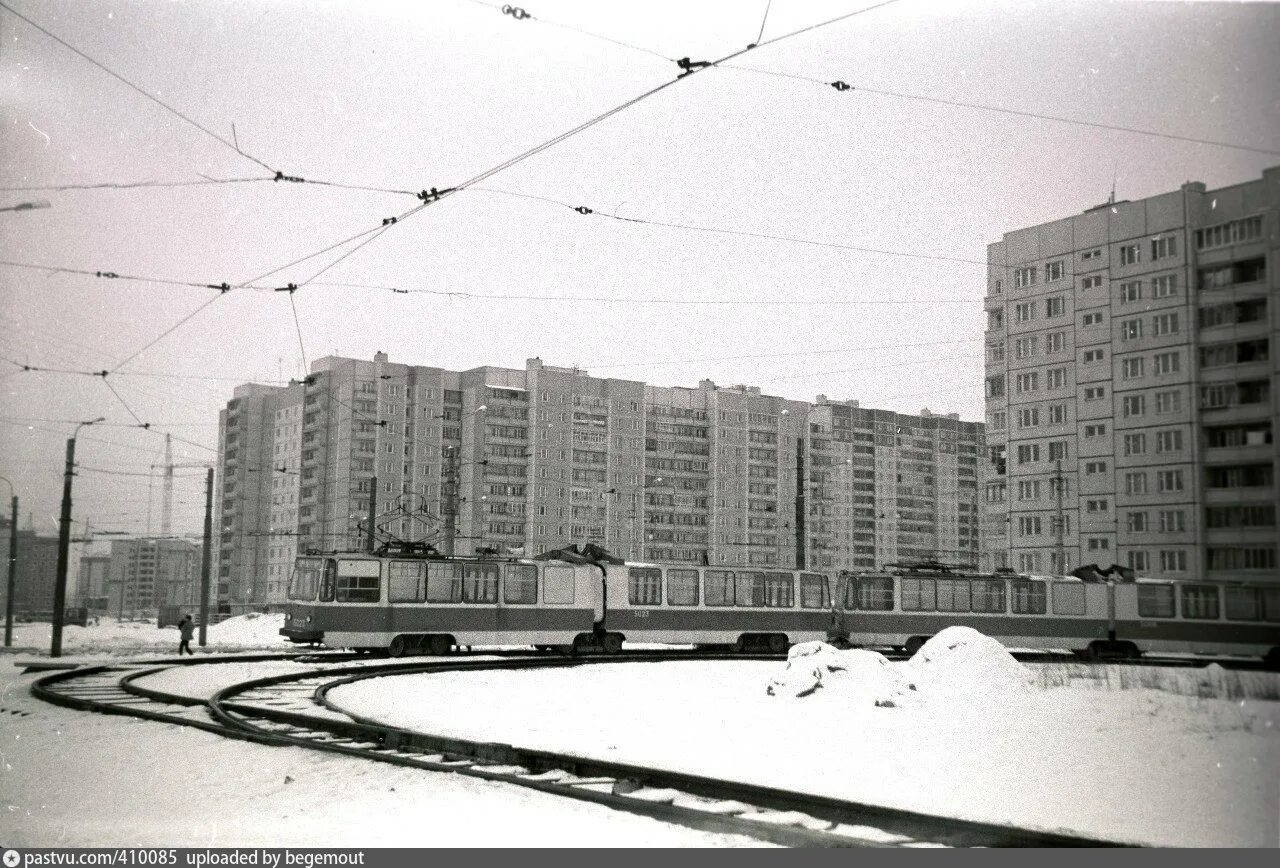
252 628
960 662
857 676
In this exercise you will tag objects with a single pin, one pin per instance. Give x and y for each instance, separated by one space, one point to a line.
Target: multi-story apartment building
145 574
37 571
1131 379
249 477
523 461
94 581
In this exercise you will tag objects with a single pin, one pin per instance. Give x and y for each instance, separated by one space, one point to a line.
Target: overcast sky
421 94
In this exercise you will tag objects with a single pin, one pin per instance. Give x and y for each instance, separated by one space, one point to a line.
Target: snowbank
857 676
112 636
249 629
961 663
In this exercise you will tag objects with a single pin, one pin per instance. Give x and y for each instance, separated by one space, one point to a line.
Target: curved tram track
294 709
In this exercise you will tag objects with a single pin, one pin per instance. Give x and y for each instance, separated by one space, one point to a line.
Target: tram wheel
399 647
612 643
914 644
777 643
440 645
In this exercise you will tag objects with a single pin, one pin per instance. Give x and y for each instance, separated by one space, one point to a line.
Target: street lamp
64 541
13 566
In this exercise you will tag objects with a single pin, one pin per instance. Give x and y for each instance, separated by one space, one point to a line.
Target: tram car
903 605
413 602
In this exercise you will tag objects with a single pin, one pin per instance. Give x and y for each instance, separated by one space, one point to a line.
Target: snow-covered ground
975 737
113 637
75 779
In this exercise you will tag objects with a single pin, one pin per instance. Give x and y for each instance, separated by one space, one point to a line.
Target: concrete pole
13 576
206 558
64 543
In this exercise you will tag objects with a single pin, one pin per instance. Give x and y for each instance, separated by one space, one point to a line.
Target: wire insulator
515 12
294 179
583 209
106 274
840 85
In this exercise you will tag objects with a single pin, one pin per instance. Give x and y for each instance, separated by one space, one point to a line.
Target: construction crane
166 500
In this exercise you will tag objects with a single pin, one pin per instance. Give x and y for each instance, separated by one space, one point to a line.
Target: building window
1095 253
1098 543
1025 348
1133 405
1165 364
1027 382
1138 562
1024 277
1029 489
1028 453
1024 312
1057 450
1057 414
995 319
995 387
995 492
1165 324
1241 558
1164 286
1096 430
1053 271
1135 483
1164 247
1093 281
1131 368
1135 444
1173 521
1168 402
1130 291
1095 393
1029 525
1169 480
995 352
1055 378
1169 441
997 420
1101 505
1131 330
1094 355
1235 232
1129 254
1055 306
1028 417
1093 468
1055 342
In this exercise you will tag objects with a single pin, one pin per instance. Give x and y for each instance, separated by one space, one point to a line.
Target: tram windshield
305 580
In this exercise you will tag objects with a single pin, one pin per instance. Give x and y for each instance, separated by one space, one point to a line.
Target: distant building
523 461
36 574
93 584
148 573
1131 387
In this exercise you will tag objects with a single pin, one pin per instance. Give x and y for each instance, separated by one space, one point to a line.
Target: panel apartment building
1131 380
524 461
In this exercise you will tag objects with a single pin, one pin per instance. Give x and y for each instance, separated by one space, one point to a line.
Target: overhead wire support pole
12 577
206 557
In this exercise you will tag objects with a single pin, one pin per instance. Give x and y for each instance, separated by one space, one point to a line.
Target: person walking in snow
186 629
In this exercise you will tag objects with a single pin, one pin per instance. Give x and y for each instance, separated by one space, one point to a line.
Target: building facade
36 574
145 574
524 461
1131 383
93 583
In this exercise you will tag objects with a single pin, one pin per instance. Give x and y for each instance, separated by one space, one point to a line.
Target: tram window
682 587
1271 604
1068 598
750 589
1244 604
988 595
953 595
918 595
520 584
444 583
479 583
305 581
815 593
358 589
330 584
1200 602
1029 598
876 595
644 586
557 584
404 581
1155 601
779 591
717 587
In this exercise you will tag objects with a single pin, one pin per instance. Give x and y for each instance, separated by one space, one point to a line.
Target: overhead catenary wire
844 87
518 13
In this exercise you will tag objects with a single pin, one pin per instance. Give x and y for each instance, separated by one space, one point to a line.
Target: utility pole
166 507
64 543
13 572
206 557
